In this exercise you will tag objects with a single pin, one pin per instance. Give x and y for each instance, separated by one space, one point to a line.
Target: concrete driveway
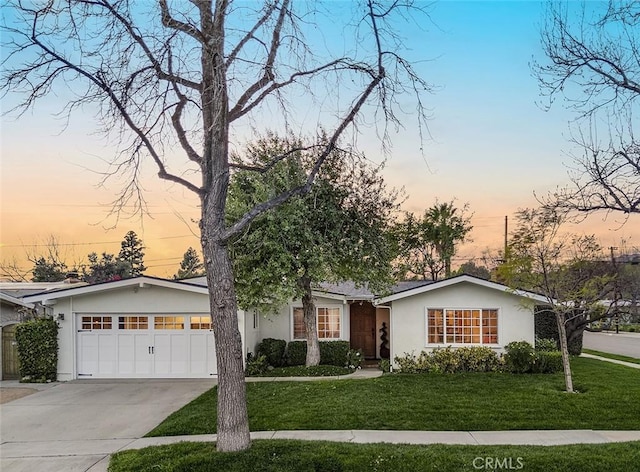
64 427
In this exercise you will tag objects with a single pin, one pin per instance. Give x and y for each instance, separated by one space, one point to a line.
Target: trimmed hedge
273 350
38 350
451 361
521 358
331 353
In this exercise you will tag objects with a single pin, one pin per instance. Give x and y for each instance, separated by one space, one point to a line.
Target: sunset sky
491 144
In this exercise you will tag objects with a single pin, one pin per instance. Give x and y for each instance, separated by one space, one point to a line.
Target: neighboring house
151 327
12 311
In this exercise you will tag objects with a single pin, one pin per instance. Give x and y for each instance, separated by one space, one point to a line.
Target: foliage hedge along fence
520 357
38 350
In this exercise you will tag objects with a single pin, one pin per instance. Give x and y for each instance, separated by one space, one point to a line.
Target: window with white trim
328 321
200 322
462 326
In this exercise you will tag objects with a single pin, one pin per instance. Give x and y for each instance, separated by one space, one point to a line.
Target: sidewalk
614 361
94 455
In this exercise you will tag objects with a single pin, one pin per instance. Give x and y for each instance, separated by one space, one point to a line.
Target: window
200 322
96 322
465 326
133 322
168 322
327 319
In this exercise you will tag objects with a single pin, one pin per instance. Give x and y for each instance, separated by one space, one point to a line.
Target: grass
300 456
633 360
609 399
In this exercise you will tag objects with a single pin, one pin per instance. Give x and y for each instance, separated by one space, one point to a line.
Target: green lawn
609 398
299 456
633 360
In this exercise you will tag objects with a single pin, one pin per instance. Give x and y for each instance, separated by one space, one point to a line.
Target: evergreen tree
191 265
105 268
48 270
132 253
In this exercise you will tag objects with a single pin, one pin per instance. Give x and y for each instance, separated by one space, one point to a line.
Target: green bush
331 353
547 362
477 359
449 361
38 350
334 352
273 350
296 353
385 365
255 365
546 345
519 357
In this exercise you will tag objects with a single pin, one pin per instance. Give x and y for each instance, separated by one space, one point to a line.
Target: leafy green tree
568 270
337 232
191 265
428 244
471 268
105 268
132 252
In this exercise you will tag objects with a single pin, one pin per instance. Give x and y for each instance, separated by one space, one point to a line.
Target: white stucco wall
408 332
280 325
126 300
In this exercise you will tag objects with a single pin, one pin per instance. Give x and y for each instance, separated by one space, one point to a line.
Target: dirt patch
9 394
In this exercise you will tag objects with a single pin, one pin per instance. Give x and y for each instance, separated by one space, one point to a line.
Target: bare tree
179 80
594 63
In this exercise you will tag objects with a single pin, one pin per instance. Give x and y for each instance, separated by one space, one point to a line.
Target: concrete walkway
613 361
93 455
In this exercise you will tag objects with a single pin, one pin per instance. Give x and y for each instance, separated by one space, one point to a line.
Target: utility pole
506 230
615 290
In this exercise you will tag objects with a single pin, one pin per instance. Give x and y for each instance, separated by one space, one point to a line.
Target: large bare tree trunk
564 349
233 421
310 323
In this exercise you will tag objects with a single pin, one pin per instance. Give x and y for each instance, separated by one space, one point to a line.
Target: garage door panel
202 355
170 352
145 346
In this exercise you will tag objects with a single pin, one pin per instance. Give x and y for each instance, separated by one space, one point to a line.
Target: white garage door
143 345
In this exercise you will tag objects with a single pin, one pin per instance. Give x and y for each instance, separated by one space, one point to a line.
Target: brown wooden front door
10 365
363 328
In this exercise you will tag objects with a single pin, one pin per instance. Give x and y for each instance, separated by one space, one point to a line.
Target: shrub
546 345
546 327
38 350
302 371
519 357
256 365
477 359
334 352
354 359
385 365
273 350
547 362
296 353
449 361
331 353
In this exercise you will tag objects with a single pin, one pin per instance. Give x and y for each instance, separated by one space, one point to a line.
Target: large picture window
327 322
462 326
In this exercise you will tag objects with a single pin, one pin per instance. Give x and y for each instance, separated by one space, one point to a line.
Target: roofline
115 284
16 301
458 279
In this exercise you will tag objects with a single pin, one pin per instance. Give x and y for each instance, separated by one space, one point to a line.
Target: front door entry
363 328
